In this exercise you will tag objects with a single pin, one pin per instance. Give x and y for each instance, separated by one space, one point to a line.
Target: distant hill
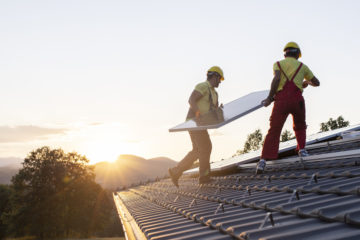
6 173
129 169
8 168
11 162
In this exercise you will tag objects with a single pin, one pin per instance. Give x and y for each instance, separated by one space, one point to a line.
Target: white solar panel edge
176 129
250 102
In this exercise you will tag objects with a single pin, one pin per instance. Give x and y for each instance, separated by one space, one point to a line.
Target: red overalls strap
296 72
290 91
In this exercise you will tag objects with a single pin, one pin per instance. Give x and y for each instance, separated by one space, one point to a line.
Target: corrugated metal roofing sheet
284 147
292 200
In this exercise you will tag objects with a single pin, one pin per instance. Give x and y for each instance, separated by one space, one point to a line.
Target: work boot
303 153
174 175
260 167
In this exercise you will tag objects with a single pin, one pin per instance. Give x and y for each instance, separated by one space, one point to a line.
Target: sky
105 78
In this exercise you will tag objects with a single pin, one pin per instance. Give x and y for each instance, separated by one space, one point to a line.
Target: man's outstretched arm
274 86
313 82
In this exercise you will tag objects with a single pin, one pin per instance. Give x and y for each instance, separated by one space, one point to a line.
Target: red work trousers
287 101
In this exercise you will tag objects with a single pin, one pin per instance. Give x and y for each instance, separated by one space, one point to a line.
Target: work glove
305 84
197 114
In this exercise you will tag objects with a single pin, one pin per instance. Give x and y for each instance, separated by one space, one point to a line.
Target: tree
113 228
286 136
253 142
5 194
55 195
333 124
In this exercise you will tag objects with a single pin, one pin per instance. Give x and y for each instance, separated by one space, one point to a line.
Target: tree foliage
253 142
286 136
333 124
5 193
55 196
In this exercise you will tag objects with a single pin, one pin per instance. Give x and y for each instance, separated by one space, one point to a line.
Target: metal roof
316 197
284 147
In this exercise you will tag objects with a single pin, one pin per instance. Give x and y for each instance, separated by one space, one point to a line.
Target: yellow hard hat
292 45
218 70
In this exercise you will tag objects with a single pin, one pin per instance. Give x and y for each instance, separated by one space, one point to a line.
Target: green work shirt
289 65
206 89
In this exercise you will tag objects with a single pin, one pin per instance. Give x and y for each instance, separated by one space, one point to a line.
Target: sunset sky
105 78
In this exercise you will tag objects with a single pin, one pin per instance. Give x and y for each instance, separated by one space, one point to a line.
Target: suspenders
212 105
296 72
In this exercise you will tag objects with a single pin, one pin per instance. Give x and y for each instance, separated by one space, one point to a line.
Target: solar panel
221 116
284 146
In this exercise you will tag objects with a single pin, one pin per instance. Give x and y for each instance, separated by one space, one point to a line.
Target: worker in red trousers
286 92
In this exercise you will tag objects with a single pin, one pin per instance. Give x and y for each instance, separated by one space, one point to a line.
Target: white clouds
27 133
98 141
18 141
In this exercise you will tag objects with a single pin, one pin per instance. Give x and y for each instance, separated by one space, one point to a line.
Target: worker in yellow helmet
286 92
203 99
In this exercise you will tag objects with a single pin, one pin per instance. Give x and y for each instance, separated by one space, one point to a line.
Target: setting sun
105 142
109 151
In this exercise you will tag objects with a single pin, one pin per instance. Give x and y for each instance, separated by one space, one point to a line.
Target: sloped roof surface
316 197
283 148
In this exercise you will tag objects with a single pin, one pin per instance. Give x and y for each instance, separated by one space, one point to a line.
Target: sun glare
107 150
104 142
103 152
